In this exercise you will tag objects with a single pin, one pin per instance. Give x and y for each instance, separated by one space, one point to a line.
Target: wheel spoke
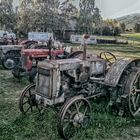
137 90
25 103
66 126
31 108
68 120
77 108
30 92
85 111
137 112
80 104
137 80
137 99
27 96
28 109
66 117
133 102
69 111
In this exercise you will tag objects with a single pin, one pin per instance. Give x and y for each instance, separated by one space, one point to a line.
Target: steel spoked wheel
74 116
27 99
134 94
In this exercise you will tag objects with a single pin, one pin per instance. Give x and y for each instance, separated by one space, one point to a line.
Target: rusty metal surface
5 48
41 52
113 76
65 64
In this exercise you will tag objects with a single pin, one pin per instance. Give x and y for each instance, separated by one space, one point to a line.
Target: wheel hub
78 119
9 63
133 90
32 100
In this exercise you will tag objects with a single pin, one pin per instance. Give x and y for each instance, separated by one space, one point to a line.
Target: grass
105 126
119 50
132 35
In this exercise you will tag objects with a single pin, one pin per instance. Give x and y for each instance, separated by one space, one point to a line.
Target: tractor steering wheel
108 56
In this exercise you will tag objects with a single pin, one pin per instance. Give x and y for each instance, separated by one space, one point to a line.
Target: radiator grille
44 83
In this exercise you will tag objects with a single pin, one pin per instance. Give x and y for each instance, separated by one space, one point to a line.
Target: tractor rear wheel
133 90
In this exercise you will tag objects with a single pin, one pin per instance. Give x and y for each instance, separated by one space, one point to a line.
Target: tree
25 17
7 15
111 22
122 26
46 14
137 28
117 31
68 12
38 15
89 15
106 30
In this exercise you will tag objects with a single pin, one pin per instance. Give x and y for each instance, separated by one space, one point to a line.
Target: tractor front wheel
74 116
27 99
8 62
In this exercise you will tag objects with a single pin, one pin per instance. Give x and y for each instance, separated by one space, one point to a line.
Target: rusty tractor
27 65
10 55
68 86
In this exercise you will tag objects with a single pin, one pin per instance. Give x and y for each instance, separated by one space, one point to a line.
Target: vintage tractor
10 55
30 57
67 86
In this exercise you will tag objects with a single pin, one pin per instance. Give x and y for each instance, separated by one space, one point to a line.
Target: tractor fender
116 70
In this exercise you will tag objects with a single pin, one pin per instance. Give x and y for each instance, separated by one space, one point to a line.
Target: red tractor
30 57
27 43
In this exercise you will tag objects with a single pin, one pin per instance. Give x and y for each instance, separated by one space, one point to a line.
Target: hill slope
130 20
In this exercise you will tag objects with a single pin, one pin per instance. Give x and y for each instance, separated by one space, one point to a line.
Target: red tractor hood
41 52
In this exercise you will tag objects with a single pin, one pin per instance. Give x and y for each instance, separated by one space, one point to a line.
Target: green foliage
123 27
98 31
68 12
89 16
48 15
37 15
117 31
45 16
137 28
106 30
7 15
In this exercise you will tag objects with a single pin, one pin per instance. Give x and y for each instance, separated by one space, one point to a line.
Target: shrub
106 30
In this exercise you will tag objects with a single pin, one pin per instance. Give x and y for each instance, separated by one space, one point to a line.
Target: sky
118 8
114 8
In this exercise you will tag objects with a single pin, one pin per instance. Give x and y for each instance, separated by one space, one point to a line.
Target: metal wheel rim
27 98
73 123
9 63
134 96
